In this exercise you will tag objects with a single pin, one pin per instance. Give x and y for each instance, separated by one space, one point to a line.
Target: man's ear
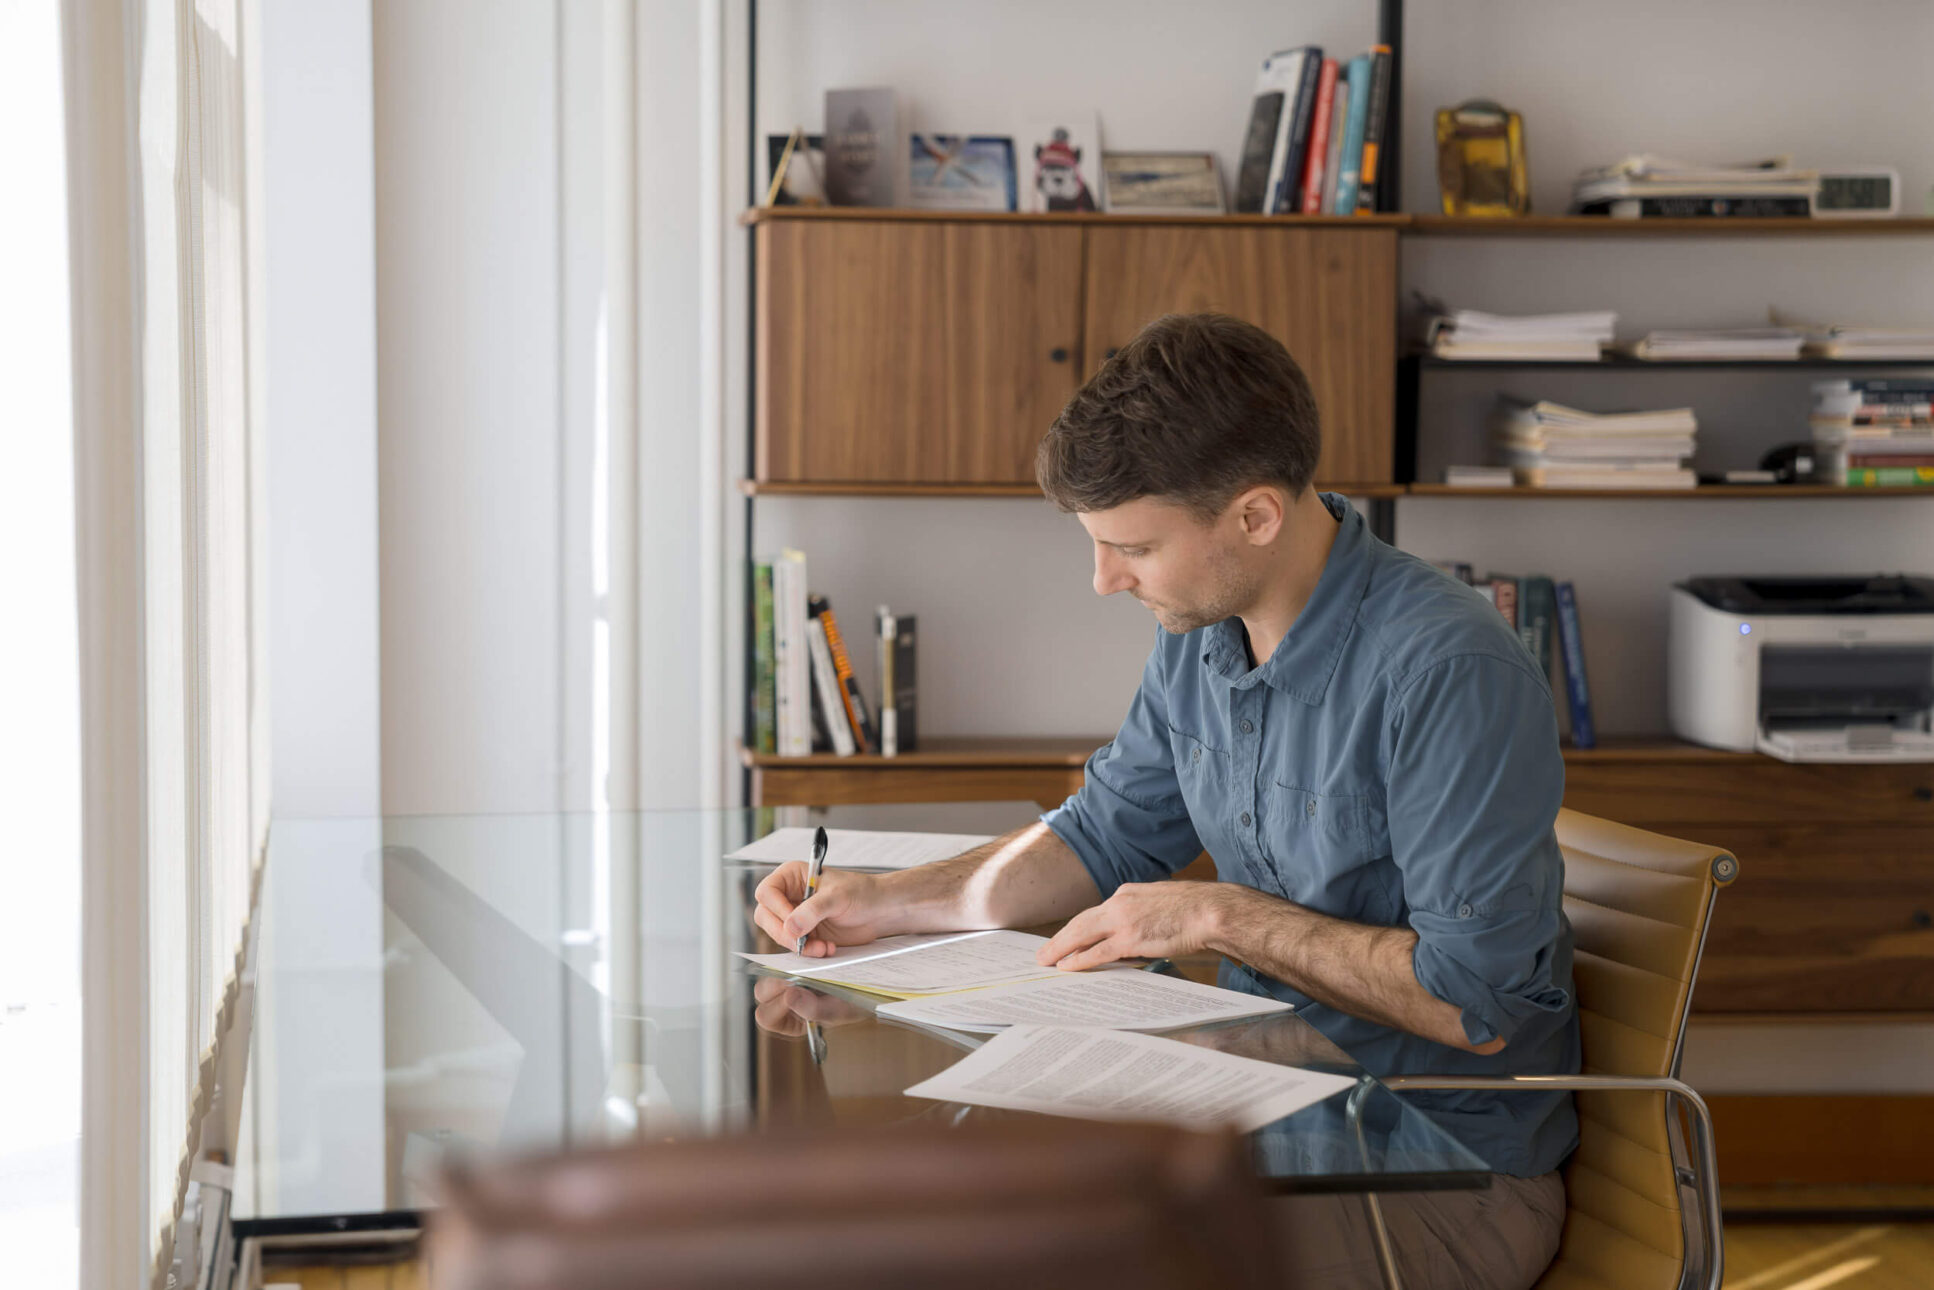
1260 512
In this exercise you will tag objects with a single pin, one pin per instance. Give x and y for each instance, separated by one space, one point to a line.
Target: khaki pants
1500 1238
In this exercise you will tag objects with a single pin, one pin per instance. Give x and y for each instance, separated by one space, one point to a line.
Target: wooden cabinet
1833 911
1329 294
922 351
938 349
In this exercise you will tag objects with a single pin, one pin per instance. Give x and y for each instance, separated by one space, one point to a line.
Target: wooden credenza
936 349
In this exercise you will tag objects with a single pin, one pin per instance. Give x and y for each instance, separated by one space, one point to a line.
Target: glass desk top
433 985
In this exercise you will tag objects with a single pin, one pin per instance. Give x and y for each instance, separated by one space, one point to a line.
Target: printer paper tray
1815 745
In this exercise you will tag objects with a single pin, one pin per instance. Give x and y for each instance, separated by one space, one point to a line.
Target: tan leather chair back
1638 904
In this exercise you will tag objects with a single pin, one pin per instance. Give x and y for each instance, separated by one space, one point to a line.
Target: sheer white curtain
174 815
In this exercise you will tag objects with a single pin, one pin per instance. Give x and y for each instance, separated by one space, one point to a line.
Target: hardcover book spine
1373 127
1577 690
831 706
1333 154
1288 196
906 640
850 696
1349 166
1890 477
1319 139
764 676
1537 614
884 630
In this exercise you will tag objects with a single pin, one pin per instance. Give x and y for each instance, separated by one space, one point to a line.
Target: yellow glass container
1480 160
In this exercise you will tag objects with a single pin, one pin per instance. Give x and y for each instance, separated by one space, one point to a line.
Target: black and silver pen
812 877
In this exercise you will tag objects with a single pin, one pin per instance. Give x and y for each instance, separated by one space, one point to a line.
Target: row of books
1874 433
1549 445
1316 132
1545 615
805 697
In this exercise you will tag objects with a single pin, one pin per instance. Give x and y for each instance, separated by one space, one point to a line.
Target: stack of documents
1104 1075
1548 445
1838 341
1769 343
1468 334
1645 185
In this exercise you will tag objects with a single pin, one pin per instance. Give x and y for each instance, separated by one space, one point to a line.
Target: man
1361 744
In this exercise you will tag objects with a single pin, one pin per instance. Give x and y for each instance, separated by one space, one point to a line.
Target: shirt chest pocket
1325 843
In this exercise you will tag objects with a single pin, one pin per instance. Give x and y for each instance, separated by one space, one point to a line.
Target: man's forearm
1364 971
1029 876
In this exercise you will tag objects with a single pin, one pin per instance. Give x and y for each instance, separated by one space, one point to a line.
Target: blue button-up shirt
1394 763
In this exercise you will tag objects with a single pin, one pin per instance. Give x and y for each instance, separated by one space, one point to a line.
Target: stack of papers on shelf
1573 337
1770 343
1548 445
1649 185
1106 1075
1870 342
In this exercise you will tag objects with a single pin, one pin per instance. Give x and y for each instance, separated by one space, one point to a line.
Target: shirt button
1245 819
1309 809
1196 755
1248 726
1465 911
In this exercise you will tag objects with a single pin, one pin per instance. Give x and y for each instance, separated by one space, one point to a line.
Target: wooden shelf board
836 488
862 214
1622 362
1653 748
1602 226
1705 492
939 751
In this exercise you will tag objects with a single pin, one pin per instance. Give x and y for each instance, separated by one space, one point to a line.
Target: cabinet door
1329 294
916 351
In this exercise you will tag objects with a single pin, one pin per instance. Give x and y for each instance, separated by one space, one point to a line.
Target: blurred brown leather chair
1008 1205
1642 1205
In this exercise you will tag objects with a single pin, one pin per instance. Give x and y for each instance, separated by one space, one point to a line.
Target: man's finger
1083 930
774 892
768 922
1105 951
810 913
778 1019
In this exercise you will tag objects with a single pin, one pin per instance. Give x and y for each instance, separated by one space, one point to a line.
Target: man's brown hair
1193 410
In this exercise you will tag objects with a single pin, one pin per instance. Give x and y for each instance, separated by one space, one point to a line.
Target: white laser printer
1804 669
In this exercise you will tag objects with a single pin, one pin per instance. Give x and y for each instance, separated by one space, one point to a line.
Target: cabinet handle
1110 353
1924 794
1058 355
1922 918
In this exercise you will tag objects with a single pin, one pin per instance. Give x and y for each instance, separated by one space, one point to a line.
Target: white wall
1017 643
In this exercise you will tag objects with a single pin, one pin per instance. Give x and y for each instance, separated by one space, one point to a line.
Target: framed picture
1061 164
804 182
960 172
1163 183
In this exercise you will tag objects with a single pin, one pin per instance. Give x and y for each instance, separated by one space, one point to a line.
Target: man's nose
1110 577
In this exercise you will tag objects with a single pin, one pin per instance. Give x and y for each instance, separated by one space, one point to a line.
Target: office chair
1639 904
1007 1205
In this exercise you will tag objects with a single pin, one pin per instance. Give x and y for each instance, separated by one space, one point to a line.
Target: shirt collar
1305 659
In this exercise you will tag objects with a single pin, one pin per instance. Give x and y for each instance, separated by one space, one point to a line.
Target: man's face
1188 573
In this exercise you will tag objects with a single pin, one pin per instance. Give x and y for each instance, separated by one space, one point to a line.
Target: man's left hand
1141 920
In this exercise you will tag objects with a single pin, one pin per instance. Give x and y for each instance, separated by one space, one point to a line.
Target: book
1571 646
1268 103
831 697
1890 477
1373 128
1537 618
792 658
905 694
1699 207
1333 154
1349 174
1318 153
884 631
1292 142
1504 594
764 678
862 142
851 699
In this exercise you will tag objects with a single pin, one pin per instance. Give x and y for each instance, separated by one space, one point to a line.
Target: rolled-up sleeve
1128 822
1475 782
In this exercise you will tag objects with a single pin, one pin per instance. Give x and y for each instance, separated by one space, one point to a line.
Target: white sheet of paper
1112 1000
860 849
932 964
1113 1075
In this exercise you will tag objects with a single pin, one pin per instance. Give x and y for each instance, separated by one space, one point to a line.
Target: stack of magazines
1468 334
1548 445
1772 344
1835 341
1645 186
1875 433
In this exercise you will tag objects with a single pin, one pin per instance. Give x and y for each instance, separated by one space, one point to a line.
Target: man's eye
1134 551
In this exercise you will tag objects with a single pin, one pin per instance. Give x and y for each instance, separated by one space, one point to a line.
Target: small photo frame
963 172
1163 183
1060 161
804 182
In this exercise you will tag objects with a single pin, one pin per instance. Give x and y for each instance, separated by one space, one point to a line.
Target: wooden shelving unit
1603 226
756 488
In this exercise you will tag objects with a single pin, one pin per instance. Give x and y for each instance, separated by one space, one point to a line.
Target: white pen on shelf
813 871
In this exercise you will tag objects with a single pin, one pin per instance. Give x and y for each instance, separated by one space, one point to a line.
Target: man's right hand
848 909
